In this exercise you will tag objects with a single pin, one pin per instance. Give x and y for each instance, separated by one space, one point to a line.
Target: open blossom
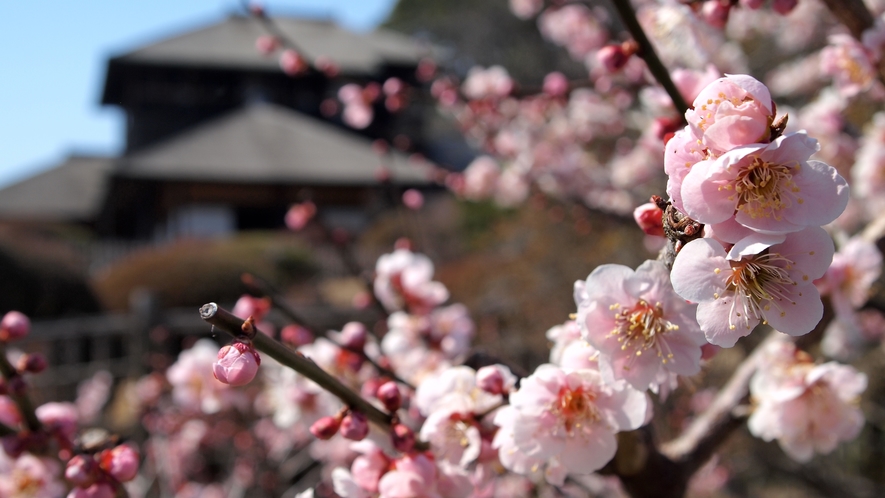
807 408
565 422
757 281
403 279
848 279
766 187
29 476
642 329
732 111
493 82
849 63
570 351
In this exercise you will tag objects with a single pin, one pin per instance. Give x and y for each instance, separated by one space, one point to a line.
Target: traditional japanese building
219 138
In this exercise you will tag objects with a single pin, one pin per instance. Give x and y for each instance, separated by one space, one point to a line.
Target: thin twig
233 325
21 400
648 54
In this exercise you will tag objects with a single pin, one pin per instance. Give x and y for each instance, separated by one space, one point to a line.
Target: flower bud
237 364
612 57
121 462
390 396
783 7
556 84
32 363
715 12
413 199
9 414
353 336
14 325
82 471
267 44
296 335
490 379
403 438
326 427
650 219
355 426
293 63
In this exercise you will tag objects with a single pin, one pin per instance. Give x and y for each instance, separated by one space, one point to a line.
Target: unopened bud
325 427
267 44
715 12
390 396
403 438
490 379
783 7
556 84
296 335
413 199
355 426
120 462
237 364
32 363
14 325
293 63
82 470
353 336
612 57
650 219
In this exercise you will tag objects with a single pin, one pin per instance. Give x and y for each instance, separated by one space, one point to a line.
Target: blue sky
53 54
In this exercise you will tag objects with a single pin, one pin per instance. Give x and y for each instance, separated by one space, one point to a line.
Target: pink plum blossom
848 279
766 187
121 462
29 476
807 408
649 217
574 27
757 281
14 325
732 111
480 178
524 9
483 83
194 387
682 152
299 215
565 422
403 280
642 329
850 64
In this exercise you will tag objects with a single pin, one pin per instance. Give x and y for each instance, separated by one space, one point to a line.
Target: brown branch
853 14
233 325
648 54
262 288
21 400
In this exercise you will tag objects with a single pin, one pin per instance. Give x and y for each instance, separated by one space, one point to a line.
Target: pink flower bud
32 363
426 70
237 364
355 426
752 4
403 243
58 418
650 219
612 57
390 396
296 335
82 471
326 427
370 387
361 300
299 214
393 86
353 336
327 66
266 44
555 84
715 13
121 462
490 379
9 414
403 438
413 199
293 63
14 325
783 7
97 490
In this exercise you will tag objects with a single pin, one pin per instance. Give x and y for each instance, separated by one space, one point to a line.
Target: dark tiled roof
230 44
70 192
265 143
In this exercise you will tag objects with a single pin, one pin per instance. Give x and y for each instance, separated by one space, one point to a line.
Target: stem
24 403
229 323
262 288
648 54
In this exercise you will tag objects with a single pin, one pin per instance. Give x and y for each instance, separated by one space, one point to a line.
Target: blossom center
763 189
576 407
643 327
761 281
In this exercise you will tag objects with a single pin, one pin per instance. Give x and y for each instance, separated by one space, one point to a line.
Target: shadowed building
219 139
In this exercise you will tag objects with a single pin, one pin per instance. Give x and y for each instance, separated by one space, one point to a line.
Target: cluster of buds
100 475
